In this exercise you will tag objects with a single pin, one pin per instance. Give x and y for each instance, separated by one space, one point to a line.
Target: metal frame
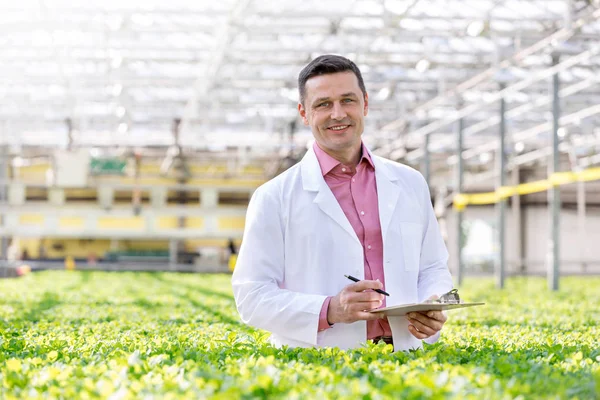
230 68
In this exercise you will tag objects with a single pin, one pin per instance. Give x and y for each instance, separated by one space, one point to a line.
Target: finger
425 321
363 305
437 315
365 285
369 316
416 333
357 297
422 327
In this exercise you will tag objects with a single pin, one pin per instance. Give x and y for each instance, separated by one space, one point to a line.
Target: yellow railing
248 176
462 200
224 223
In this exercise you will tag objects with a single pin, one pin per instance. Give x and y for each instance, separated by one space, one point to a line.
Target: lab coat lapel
330 206
387 195
312 180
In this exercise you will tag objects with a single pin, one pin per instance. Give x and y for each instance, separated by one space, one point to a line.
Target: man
340 211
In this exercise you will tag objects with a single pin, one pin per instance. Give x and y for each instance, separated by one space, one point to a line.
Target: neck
347 157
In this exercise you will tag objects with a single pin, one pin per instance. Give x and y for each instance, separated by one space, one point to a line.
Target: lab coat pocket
412 235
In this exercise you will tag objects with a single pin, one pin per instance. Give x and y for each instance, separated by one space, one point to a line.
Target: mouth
338 128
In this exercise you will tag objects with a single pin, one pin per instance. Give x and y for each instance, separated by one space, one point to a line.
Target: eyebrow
322 99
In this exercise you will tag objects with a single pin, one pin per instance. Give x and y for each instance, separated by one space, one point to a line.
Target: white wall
575 249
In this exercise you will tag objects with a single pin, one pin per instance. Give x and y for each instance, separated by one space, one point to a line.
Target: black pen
358 280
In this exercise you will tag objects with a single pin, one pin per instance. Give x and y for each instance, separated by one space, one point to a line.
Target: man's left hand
425 324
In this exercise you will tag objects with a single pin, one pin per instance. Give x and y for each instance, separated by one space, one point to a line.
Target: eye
347 100
324 104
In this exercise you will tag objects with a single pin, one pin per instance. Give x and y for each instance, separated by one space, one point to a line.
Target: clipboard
403 309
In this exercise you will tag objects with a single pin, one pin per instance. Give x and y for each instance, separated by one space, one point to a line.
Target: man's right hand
354 301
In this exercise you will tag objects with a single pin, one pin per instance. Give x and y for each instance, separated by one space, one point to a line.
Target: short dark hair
328 64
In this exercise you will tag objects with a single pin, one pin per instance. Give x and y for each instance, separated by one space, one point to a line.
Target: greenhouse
214 199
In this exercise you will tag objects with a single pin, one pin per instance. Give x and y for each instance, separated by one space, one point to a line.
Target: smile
338 128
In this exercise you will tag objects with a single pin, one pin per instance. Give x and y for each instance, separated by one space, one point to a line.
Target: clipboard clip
451 297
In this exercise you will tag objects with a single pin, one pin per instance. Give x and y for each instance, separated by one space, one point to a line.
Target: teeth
339 128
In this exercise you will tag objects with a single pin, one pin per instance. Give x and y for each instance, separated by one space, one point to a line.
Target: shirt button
362 213
343 169
353 180
369 247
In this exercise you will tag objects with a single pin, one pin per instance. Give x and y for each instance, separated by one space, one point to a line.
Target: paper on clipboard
404 309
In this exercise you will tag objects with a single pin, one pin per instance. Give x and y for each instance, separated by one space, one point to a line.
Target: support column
554 193
3 173
106 196
459 189
3 197
183 172
16 194
500 269
209 197
70 138
114 247
427 160
581 233
56 196
158 196
173 248
518 224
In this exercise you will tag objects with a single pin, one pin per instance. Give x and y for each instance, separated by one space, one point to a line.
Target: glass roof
122 71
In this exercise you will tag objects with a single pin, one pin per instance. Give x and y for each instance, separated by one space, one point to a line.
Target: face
334 107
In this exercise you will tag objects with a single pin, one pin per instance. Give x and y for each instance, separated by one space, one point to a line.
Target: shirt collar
327 162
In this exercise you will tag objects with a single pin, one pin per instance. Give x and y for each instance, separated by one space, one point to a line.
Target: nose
337 112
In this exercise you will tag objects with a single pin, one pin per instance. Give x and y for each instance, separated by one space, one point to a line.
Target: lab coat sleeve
434 276
258 277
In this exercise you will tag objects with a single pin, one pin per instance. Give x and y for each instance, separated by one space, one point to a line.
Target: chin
341 145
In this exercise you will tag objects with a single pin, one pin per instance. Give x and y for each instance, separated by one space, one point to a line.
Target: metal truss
122 71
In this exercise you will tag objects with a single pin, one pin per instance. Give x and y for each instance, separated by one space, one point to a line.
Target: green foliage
143 335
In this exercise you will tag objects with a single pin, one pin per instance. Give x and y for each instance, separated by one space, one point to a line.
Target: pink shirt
355 189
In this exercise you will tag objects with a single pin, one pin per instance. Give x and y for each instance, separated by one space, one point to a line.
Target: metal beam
289 13
427 160
581 227
554 193
511 114
557 37
518 224
3 198
173 248
541 75
399 35
538 154
460 242
501 205
532 133
207 78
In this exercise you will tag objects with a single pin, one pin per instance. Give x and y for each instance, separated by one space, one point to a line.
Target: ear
366 109
302 112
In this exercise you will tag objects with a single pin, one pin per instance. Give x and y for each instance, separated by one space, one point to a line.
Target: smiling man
340 211
334 106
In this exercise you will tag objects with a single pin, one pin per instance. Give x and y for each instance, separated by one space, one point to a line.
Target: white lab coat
298 245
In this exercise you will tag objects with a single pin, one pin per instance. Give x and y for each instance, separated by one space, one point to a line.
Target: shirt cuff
432 339
323 323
